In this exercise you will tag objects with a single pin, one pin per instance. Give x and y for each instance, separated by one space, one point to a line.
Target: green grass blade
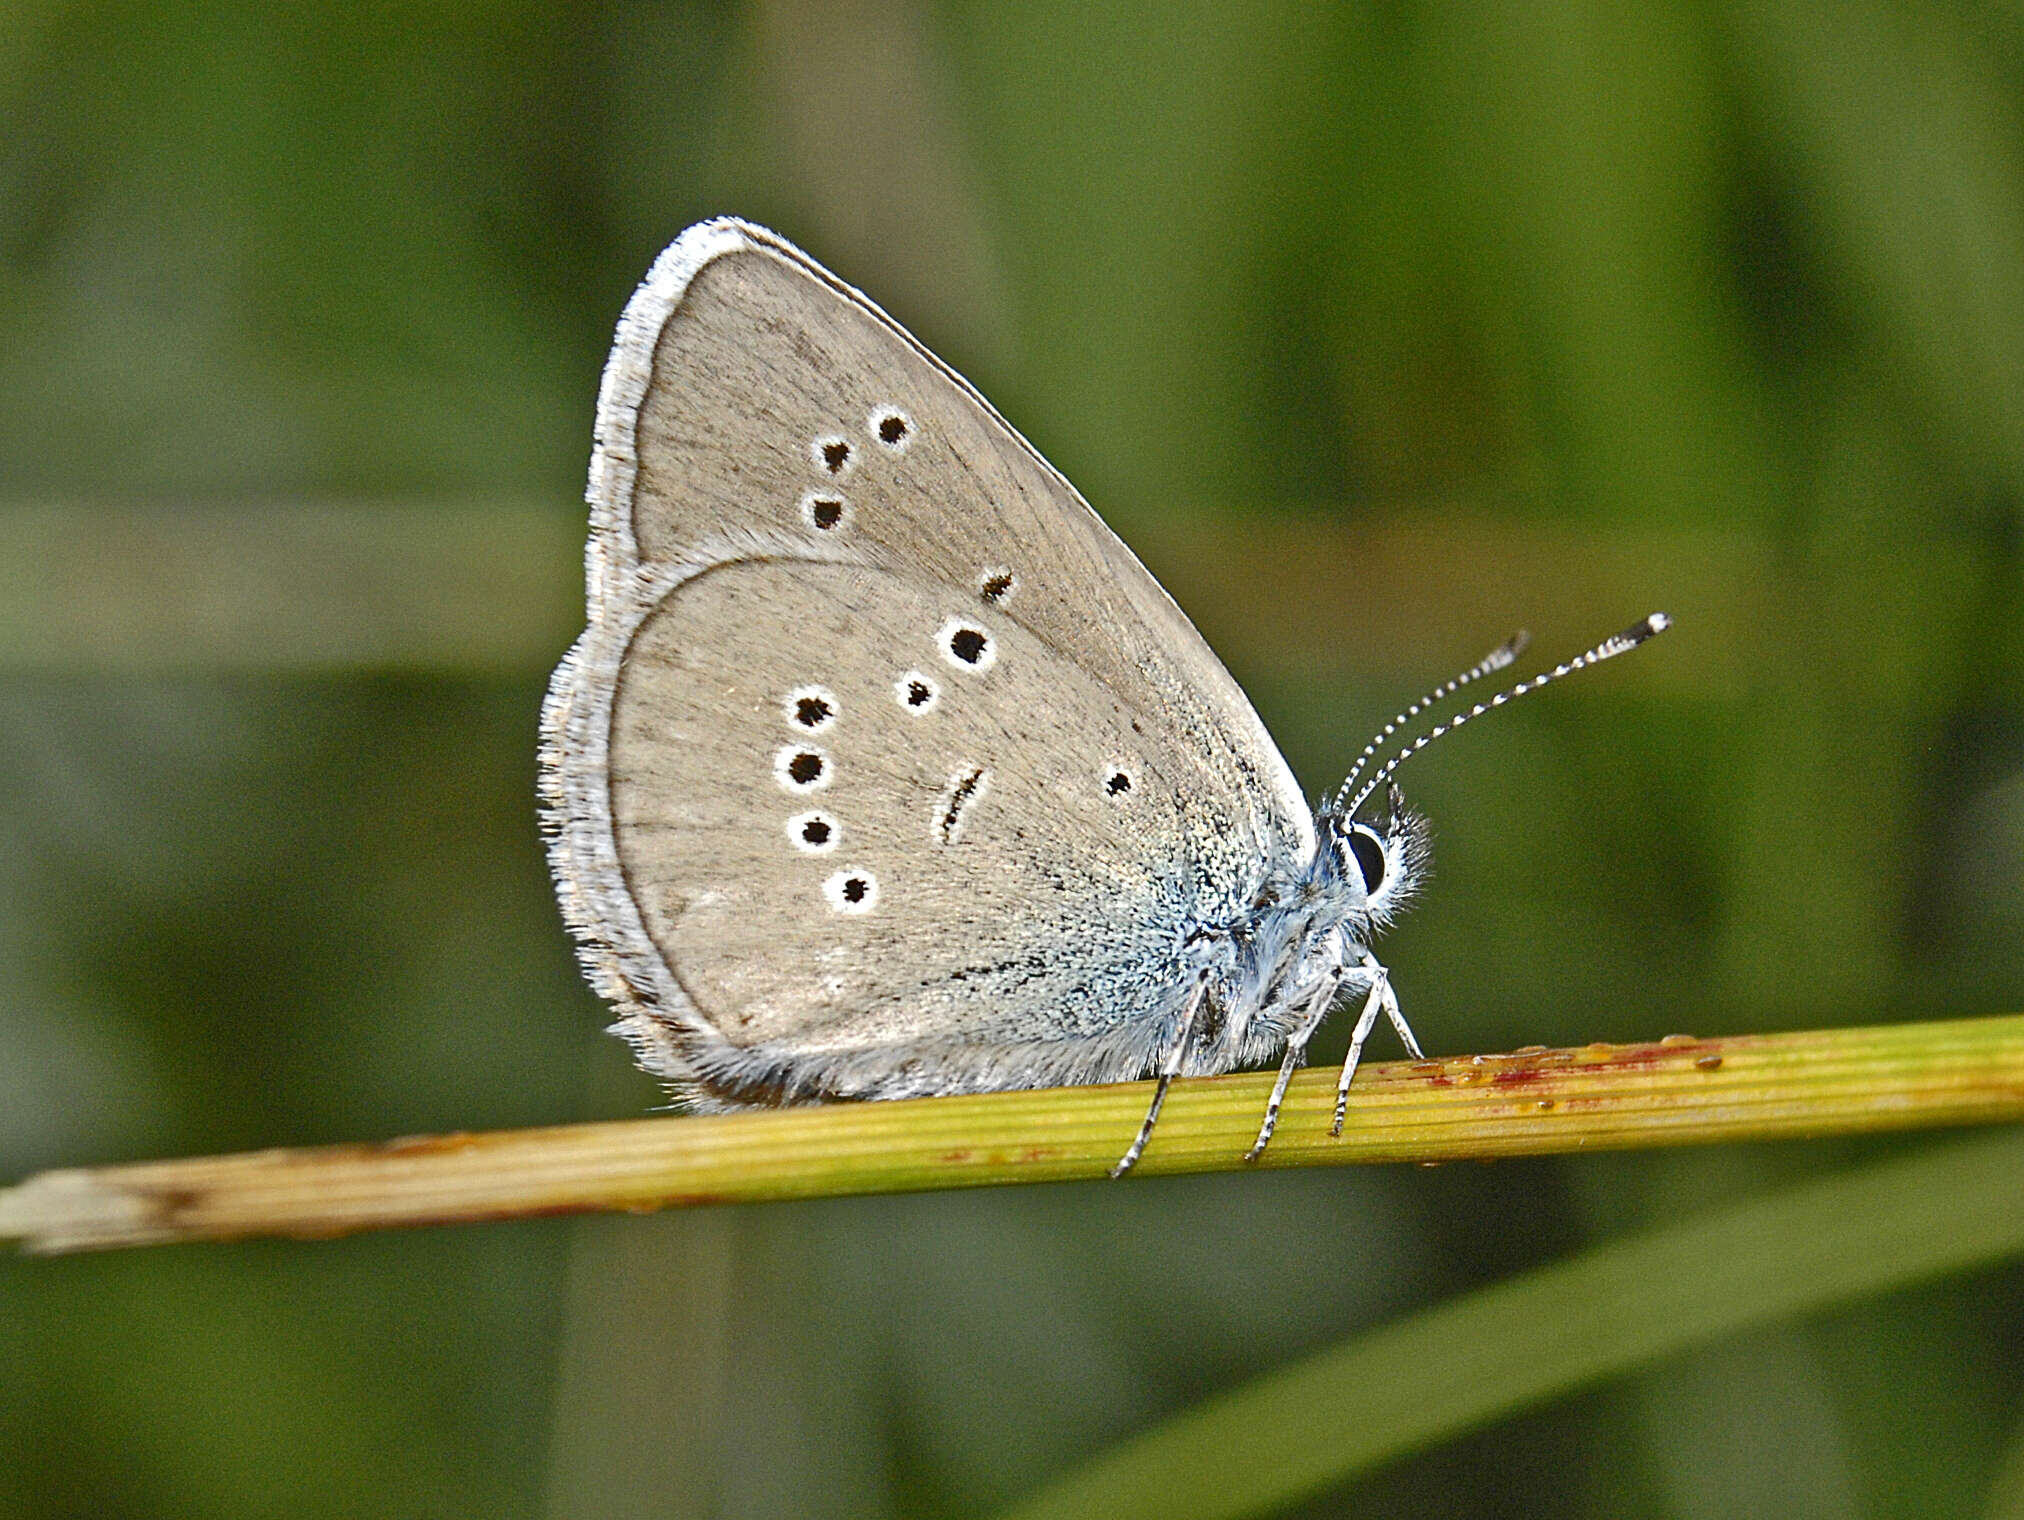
1620 1306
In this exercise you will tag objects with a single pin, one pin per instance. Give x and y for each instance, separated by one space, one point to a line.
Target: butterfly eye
1368 852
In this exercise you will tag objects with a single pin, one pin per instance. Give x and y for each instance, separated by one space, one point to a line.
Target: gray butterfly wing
883 766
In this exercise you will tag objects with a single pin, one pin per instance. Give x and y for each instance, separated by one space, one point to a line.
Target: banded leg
1170 1067
1296 1053
1380 997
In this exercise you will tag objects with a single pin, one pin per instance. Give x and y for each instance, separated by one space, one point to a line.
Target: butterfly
884 769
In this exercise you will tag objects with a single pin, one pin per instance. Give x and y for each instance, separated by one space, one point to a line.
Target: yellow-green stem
1675 1091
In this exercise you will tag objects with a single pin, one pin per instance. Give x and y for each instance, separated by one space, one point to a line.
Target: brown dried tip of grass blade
1674 1091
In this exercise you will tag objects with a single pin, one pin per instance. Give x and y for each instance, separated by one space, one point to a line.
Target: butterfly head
1378 865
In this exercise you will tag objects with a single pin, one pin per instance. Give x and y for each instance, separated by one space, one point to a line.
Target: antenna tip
1507 652
1637 633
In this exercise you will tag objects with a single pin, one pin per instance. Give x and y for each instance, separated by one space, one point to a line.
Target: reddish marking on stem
420 1145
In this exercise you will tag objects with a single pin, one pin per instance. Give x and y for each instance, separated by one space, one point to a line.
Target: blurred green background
1378 331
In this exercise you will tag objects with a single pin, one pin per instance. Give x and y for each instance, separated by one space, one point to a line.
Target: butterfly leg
1398 1021
1170 1068
1296 1053
1380 997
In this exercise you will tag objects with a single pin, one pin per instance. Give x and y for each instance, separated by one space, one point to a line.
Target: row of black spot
802 767
890 428
835 456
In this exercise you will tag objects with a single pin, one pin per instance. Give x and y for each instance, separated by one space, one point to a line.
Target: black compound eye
1369 856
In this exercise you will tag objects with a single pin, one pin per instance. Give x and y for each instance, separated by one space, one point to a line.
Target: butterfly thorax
1308 935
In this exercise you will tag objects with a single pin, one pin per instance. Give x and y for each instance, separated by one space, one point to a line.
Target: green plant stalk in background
1409 1384
1675 1091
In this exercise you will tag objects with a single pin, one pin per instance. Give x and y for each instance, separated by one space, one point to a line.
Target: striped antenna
1497 659
1608 649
